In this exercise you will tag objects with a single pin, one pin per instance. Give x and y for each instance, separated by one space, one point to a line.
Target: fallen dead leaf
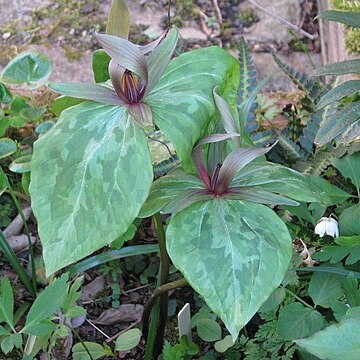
124 313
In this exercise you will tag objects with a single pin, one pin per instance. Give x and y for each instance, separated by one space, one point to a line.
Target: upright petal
125 54
160 58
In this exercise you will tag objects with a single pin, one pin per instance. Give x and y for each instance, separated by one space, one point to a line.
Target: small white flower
327 226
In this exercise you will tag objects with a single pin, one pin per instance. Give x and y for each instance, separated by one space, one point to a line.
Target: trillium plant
92 173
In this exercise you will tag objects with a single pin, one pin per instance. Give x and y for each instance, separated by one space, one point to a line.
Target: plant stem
299 298
164 278
19 209
10 255
82 342
154 297
151 333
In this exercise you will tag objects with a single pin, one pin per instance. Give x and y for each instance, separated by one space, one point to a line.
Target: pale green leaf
119 19
128 340
325 288
31 68
7 302
21 165
90 176
46 304
344 17
182 101
7 147
208 330
349 167
349 223
250 242
337 342
296 320
224 344
80 353
63 102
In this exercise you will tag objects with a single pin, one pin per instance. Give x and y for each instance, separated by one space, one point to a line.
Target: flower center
129 85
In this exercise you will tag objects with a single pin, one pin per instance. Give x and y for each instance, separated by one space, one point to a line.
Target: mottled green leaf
276 178
90 176
168 188
7 147
44 127
250 242
296 320
182 101
337 342
31 68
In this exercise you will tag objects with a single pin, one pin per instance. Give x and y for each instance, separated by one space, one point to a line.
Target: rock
6 35
190 33
268 28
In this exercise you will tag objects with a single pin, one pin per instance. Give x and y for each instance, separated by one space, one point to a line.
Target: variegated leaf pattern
233 253
182 101
90 176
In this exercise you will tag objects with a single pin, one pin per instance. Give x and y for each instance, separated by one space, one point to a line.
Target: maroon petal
141 115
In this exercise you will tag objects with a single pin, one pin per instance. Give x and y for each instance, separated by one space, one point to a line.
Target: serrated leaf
128 340
324 288
347 88
296 320
339 68
93 154
182 101
31 68
351 291
46 304
246 239
346 346
7 344
208 330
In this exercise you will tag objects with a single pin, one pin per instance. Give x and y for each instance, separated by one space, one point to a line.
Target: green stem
164 278
10 255
82 342
151 337
19 209
299 299
154 297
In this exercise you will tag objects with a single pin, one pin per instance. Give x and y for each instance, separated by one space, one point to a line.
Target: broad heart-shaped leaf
338 341
182 101
233 253
31 68
90 176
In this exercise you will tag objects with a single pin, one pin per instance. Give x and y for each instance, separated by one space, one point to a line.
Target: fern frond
312 88
291 150
315 165
247 85
309 132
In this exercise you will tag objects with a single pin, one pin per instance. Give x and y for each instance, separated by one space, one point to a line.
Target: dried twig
99 330
289 24
218 11
203 25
